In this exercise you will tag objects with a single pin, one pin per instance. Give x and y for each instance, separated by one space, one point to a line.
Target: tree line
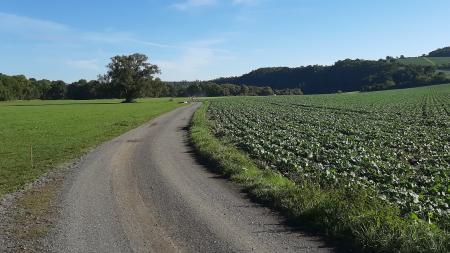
21 88
128 77
132 76
345 75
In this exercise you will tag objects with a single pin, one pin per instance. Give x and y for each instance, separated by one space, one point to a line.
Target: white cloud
32 27
119 38
188 4
204 42
238 2
13 22
46 30
190 60
194 58
90 64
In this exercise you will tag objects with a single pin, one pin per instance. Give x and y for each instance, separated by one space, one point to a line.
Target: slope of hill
426 61
441 52
346 75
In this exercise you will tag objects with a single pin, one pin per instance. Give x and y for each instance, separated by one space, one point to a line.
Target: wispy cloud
89 64
119 38
187 60
13 22
191 4
32 27
242 2
188 4
194 58
46 30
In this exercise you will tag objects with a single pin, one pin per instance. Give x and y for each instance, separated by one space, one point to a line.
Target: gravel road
145 192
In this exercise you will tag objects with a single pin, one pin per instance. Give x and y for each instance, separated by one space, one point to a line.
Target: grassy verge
36 136
25 223
352 216
33 215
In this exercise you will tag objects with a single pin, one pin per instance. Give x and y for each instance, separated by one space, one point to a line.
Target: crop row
396 142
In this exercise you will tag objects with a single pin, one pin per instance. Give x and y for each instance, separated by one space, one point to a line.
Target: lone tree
129 75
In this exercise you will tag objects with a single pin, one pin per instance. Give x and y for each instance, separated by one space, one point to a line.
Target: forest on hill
441 52
345 75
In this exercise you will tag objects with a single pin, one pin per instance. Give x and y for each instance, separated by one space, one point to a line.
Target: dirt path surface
145 192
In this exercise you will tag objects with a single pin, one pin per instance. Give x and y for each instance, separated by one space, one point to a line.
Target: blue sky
204 39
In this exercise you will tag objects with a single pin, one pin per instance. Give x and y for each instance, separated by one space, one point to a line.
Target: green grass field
426 61
36 136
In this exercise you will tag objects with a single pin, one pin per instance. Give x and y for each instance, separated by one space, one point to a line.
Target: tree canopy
130 74
441 52
346 75
130 77
21 88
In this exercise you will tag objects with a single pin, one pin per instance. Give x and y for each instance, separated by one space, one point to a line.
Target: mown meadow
36 136
426 61
370 167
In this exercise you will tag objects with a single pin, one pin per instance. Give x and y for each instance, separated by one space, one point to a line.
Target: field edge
352 217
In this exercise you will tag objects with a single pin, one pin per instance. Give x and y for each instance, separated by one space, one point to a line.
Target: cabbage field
394 142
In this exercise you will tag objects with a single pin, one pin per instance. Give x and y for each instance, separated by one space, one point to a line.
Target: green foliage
210 89
56 90
17 87
346 75
36 136
350 214
130 74
441 52
20 88
438 62
395 143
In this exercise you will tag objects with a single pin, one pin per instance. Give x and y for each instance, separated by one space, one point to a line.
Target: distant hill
346 75
439 58
441 52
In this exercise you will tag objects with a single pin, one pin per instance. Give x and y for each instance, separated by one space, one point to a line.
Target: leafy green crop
395 142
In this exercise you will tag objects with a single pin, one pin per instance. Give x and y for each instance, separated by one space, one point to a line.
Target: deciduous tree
130 74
